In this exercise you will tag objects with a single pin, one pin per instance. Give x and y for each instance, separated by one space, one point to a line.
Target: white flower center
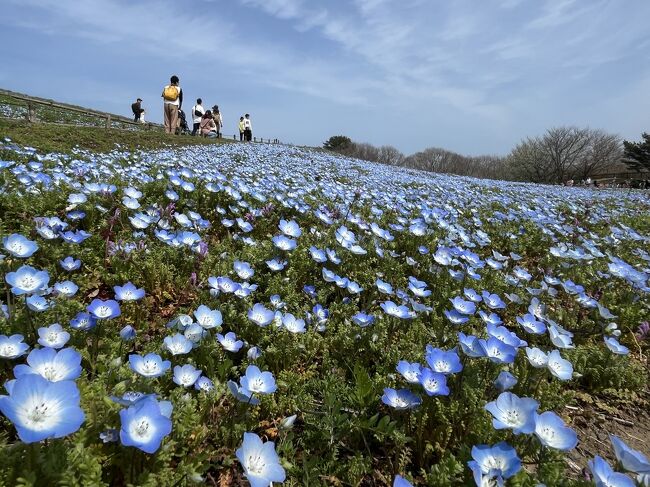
7 350
256 464
150 367
513 417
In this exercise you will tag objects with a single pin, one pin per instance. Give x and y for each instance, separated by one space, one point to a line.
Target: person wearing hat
137 110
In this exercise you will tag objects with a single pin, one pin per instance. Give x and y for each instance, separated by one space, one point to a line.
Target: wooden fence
39 109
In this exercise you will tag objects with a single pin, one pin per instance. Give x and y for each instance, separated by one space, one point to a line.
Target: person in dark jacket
137 110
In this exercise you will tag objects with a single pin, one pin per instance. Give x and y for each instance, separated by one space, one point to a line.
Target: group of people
207 123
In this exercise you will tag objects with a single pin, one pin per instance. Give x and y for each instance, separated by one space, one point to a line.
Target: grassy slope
60 138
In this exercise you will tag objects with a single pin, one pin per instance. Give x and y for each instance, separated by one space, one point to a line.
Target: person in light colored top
173 102
197 113
248 128
218 119
241 129
208 126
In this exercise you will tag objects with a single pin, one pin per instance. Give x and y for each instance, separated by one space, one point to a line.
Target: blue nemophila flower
27 280
615 347
321 314
40 409
38 303
632 460
510 411
462 306
362 319
260 461
258 382
433 383
208 318
143 425
493 301
490 319
127 333
410 371
104 309
243 270
559 337
276 264
400 481
19 246
531 324
498 352
67 289
505 335
537 357
242 394
553 433
130 397
455 317
284 243
186 375
384 287
496 462
128 292
443 361
317 254
53 336
559 367
178 344
74 237
260 315
392 309
110 435
309 290
229 342
604 475
151 365
505 381
471 345
52 365
203 384
12 347
400 399
254 353
472 295
290 228
83 321
293 324
194 333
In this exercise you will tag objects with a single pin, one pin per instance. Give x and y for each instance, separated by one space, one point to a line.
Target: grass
62 138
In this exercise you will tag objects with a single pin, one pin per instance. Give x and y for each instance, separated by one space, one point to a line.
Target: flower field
257 314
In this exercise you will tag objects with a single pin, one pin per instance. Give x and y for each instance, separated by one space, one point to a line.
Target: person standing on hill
197 115
241 129
137 110
173 101
248 128
218 119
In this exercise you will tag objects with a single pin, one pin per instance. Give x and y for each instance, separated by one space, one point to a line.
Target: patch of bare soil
596 417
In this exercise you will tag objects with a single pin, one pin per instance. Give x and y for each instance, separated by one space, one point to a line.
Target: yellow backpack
170 93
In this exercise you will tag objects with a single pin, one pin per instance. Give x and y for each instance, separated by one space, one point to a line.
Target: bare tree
564 153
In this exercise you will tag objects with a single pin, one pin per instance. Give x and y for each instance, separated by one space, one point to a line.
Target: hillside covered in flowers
255 314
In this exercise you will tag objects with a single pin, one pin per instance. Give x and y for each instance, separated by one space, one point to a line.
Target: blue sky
473 76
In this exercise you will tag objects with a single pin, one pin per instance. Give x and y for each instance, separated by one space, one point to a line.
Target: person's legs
195 128
168 121
241 136
173 115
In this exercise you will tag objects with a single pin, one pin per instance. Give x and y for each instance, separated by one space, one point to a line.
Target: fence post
108 121
31 112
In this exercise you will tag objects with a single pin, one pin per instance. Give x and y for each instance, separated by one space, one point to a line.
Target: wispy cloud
478 63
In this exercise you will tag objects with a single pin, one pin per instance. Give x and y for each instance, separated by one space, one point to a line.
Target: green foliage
637 154
337 143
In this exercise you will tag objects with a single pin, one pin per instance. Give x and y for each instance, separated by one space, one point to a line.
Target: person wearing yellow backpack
173 101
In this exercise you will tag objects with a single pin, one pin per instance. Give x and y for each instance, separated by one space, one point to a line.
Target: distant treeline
561 154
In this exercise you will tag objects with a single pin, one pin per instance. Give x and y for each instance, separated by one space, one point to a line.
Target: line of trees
559 155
